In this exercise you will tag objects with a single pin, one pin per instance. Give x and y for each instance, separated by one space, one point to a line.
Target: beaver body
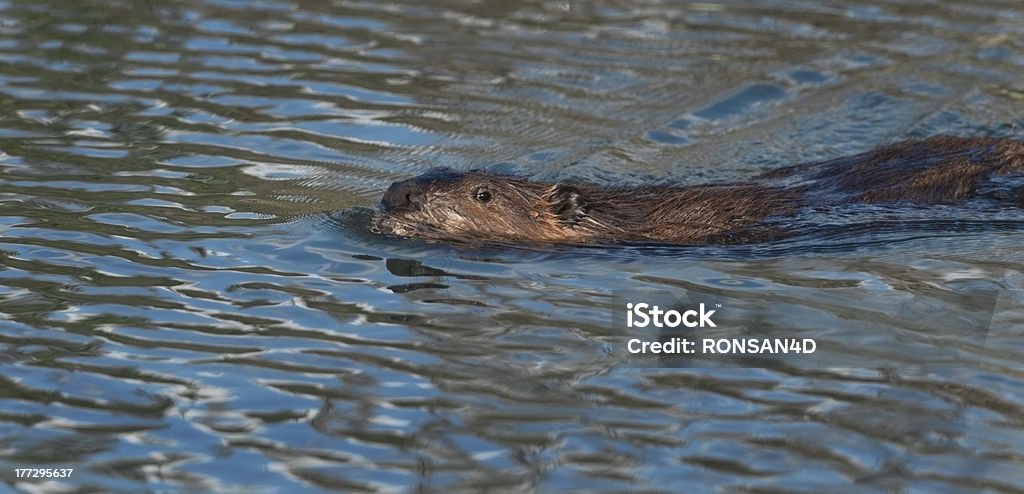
483 207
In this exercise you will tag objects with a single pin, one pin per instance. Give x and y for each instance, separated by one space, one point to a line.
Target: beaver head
476 206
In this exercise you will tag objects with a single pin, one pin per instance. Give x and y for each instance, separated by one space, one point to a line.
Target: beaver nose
406 195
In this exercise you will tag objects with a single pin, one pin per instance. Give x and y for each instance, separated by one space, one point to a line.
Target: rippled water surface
190 299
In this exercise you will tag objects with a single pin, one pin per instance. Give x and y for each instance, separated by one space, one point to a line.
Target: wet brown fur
941 169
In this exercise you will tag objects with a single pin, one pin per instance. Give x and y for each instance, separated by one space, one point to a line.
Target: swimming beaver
484 207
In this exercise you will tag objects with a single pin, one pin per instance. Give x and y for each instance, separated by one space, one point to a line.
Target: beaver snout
410 195
406 195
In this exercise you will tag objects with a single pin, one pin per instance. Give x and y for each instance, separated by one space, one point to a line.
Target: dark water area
191 301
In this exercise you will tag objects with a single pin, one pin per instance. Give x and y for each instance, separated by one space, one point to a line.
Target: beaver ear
569 204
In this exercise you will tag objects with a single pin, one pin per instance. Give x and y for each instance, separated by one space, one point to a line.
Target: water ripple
179 311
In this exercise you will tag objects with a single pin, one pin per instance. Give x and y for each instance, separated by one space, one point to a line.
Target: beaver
479 207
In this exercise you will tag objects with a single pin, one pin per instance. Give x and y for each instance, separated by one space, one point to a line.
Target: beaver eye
482 195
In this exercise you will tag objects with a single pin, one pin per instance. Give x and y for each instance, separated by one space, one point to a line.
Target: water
190 300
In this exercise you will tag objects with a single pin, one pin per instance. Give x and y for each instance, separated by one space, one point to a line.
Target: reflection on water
177 312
